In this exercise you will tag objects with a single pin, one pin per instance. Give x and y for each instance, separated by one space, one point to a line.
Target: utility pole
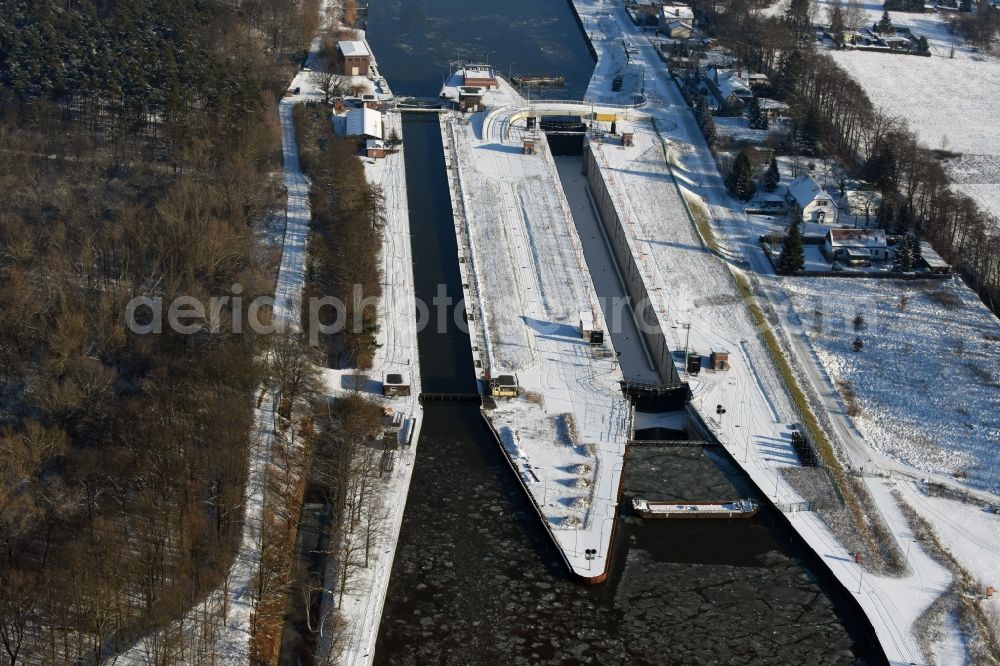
687 344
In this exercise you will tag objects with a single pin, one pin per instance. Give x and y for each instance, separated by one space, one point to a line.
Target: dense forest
138 155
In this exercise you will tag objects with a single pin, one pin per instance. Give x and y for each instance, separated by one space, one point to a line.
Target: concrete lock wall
648 320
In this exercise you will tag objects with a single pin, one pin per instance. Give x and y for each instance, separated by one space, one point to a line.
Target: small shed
504 386
589 330
931 260
375 148
772 107
693 363
719 359
628 138
395 383
355 58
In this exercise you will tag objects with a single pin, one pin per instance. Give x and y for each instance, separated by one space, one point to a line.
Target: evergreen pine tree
758 119
740 180
885 24
701 111
811 130
792 258
915 250
772 177
903 261
709 130
797 14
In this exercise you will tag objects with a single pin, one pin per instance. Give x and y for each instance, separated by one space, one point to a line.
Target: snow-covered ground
928 378
565 435
397 353
756 428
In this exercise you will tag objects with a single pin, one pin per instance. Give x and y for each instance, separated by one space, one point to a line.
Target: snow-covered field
928 378
949 99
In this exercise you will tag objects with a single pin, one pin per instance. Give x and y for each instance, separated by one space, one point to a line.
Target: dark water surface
416 40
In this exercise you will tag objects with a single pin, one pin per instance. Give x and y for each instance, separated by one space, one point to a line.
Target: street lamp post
687 343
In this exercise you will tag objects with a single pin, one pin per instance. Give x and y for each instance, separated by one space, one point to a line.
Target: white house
811 202
856 247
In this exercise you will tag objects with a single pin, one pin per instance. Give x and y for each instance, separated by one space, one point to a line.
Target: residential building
364 122
772 107
728 88
856 247
676 21
810 202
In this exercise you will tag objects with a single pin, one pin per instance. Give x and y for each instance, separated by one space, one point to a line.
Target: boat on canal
744 508
547 81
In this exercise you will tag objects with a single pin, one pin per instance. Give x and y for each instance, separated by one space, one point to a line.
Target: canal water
476 579
417 42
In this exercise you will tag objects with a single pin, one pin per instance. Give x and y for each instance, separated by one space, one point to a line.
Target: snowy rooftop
503 95
857 238
804 190
364 122
353 49
769 104
677 12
